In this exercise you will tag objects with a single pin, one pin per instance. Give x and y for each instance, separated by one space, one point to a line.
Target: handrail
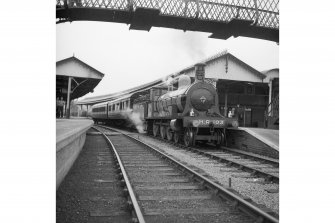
263 13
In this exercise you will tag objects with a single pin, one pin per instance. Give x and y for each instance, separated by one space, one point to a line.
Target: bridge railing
264 13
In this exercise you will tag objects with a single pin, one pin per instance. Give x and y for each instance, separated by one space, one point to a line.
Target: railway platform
70 138
268 136
256 140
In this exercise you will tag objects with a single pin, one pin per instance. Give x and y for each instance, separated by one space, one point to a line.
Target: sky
129 58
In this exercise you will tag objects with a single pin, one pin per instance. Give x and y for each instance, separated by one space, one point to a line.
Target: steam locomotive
188 114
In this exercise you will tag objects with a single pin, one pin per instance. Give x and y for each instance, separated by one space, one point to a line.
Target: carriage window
113 107
101 109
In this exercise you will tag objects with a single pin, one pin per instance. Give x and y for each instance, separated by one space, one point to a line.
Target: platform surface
268 136
65 128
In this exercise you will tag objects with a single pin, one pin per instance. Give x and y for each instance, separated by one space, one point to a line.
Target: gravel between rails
91 191
164 196
243 183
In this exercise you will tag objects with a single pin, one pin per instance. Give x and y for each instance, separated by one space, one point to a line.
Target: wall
242 140
69 145
271 74
236 71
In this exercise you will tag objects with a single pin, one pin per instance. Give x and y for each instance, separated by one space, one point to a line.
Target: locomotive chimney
200 72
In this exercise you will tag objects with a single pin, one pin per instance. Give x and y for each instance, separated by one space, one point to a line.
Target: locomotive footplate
209 122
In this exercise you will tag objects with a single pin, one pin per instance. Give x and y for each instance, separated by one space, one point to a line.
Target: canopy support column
226 104
68 98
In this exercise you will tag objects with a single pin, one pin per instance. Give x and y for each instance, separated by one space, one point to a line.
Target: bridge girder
249 18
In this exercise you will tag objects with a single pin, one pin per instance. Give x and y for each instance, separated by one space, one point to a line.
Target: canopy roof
84 77
161 82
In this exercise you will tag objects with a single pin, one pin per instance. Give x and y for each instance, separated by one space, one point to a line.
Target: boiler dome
183 81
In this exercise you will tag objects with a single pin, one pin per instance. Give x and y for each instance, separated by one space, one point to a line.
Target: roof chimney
199 72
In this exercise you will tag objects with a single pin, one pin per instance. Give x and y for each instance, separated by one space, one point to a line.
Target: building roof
223 54
265 72
94 72
84 77
113 96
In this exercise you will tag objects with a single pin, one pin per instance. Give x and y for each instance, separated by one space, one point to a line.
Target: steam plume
135 119
168 80
194 44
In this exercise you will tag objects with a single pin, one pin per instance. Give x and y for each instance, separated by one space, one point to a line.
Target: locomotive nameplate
205 122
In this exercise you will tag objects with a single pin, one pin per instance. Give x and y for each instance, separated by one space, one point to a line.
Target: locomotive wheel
169 133
163 131
155 130
189 137
176 137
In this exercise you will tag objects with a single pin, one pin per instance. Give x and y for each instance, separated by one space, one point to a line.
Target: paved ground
67 127
268 136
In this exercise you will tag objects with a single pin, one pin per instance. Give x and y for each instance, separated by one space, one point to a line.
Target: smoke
194 45
168 80
135 119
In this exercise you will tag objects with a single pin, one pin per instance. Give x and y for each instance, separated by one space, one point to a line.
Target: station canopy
84 78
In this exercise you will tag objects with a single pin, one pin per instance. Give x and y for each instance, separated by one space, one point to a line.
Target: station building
74 79
272 111
243 91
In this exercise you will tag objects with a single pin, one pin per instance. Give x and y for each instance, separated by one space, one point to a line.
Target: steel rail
271 161
224 193
254 171
135 205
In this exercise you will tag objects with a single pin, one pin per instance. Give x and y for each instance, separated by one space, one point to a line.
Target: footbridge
222 18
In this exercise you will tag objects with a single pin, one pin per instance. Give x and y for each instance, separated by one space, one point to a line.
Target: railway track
93 191
168 191
258 166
